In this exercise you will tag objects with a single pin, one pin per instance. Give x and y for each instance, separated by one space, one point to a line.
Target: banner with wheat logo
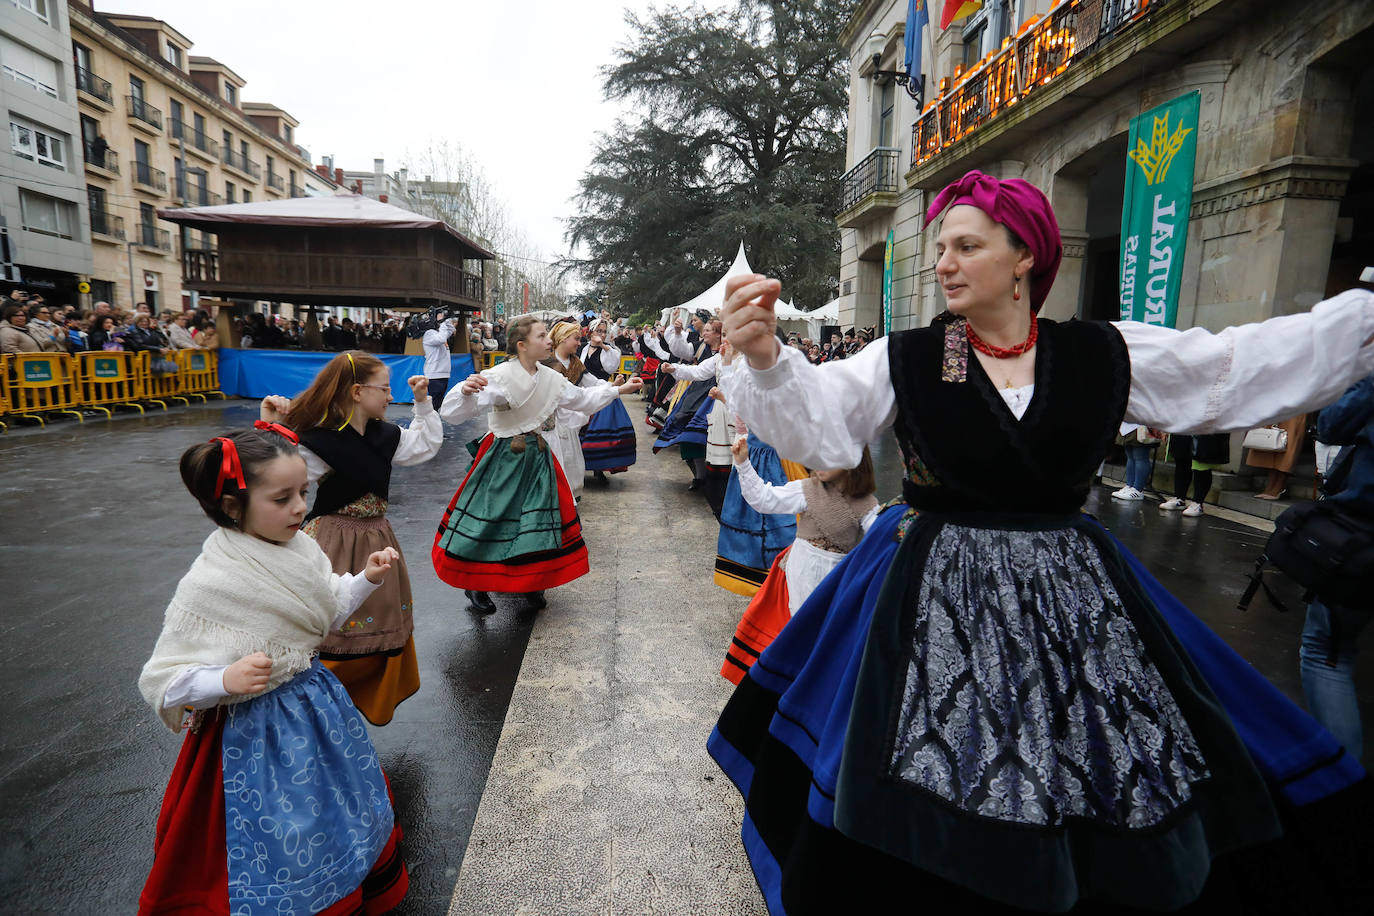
1154 209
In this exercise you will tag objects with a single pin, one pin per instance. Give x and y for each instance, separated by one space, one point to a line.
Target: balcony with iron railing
100 156
241 163
1025 78
195 141
871 188
319 273
143 115
147 177
109 228
196 194
275 181
95 87
152 237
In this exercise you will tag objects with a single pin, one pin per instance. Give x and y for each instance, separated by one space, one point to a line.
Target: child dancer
834 509
608 439
566 337
349 448
278 803
512 525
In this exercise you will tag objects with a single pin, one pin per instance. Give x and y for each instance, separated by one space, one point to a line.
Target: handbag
1147 437
1267 439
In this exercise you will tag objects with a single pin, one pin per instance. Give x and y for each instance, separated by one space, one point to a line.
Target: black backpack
1324 547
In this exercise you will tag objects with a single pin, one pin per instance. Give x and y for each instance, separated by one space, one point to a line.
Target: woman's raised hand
750 322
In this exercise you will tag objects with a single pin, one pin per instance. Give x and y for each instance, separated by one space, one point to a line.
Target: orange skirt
378 682
763 620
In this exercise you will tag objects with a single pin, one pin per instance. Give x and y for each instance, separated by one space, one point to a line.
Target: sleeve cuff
776 375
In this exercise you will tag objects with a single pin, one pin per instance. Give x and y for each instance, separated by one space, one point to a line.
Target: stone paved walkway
601 797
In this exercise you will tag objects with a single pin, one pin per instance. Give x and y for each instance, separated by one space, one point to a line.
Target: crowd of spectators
28 324
840 346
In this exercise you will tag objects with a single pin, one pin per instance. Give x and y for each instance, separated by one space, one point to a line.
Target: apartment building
159 128
1045 90
45 238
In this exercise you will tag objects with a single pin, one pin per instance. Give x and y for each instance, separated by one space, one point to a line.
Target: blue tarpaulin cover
258 373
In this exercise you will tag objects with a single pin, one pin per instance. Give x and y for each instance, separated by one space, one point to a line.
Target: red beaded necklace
982 346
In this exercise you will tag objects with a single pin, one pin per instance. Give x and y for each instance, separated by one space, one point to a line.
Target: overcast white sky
515 83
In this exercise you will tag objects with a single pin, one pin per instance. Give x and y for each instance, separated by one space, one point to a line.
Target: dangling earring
1016 289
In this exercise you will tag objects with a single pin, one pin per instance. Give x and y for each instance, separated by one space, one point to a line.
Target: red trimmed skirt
190 872
763 620
528 573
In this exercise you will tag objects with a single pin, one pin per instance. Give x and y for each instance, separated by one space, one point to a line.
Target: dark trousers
437 388
1182 449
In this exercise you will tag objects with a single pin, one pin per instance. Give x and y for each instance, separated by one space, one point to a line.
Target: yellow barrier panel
107 377
199 373
489 359
158 387
41 383
4 390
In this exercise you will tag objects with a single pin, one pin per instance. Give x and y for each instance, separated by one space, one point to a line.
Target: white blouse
420 441
609 356
202 686
700 372
1189 381
459 407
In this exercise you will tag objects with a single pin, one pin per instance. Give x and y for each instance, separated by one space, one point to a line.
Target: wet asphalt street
95 531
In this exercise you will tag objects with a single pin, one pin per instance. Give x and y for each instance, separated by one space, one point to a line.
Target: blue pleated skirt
750 541
608 439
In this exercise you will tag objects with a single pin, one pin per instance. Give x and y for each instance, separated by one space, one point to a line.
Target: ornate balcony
196 194
241 164
111 228
195 140
153 237
275 181
870 189
101 158
147 177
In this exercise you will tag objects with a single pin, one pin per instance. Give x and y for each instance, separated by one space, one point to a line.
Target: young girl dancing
565 337
349 448
608 439
277 804
512 526
834 509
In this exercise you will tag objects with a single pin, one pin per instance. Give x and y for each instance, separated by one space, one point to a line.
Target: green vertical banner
887 285
1154 209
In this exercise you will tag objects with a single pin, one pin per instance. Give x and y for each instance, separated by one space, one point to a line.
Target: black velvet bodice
964 449
360 464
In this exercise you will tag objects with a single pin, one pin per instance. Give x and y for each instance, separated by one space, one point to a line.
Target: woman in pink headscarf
990 705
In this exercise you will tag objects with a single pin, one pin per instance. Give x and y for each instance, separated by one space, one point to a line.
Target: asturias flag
917 18
958 9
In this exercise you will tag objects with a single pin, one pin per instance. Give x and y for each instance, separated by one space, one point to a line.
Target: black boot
480 602
601 477
536 600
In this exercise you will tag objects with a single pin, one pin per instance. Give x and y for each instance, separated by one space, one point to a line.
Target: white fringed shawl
244 595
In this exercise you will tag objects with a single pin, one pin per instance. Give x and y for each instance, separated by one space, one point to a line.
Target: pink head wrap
1022 208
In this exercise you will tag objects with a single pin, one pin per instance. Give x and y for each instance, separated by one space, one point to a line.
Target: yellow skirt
380 682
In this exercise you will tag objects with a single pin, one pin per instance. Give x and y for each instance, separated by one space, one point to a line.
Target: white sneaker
1129 493
1193 510
1172 504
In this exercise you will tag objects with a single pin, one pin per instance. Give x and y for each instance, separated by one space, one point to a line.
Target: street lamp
913 83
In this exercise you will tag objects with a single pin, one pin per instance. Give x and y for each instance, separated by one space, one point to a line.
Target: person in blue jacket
1330 633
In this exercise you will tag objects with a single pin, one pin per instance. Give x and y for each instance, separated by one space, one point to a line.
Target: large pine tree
741 139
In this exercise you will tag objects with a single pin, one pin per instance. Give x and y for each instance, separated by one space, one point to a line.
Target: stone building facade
1282 190
163 128
43 191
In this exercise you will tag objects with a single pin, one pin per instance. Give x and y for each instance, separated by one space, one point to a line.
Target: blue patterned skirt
608 439
992 715
686 425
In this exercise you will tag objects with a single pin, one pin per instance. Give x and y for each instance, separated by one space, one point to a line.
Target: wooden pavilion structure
343 250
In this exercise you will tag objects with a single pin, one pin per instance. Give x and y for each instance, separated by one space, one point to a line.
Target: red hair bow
279 430
229 467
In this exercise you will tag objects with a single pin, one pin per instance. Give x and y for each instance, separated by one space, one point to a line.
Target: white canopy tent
714 298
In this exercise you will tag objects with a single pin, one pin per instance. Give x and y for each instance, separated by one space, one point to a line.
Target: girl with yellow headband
349 448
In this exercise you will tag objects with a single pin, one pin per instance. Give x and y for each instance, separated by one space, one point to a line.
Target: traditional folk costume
608 439
688 419
829 525
512 526
373 652
750 541
991 704
567 423
278 803
711 428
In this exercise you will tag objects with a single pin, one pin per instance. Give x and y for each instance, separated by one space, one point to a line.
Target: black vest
360 464
593 364
965 450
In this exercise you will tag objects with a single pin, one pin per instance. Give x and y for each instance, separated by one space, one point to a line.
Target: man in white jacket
437 364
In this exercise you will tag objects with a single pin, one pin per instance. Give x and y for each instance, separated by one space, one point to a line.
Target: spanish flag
958 9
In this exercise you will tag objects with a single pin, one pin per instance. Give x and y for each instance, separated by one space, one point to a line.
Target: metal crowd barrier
33 385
